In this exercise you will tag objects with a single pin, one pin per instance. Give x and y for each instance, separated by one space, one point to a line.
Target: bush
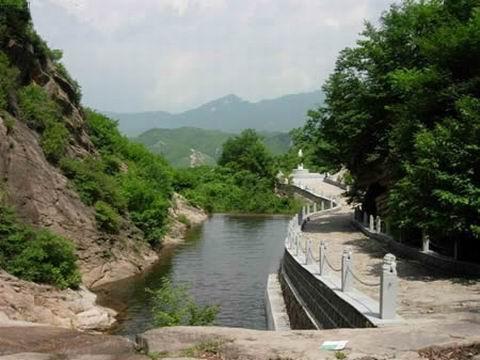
174 306
146 186
54 141
43 114
184 220
221 189
37 109
92 182
64 73
107 218
9 122
8 76
36 255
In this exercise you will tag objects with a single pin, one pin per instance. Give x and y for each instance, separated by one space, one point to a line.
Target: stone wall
307 297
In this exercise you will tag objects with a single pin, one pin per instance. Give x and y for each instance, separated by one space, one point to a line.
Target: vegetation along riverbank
80 204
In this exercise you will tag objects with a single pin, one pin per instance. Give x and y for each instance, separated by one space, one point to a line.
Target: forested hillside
76 197
187 146
402 114
78 200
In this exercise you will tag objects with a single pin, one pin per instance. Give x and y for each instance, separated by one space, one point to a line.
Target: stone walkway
424 292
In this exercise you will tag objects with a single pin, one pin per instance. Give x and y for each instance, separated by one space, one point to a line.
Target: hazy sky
138 55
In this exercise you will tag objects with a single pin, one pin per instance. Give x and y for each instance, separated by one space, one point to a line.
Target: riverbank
225 261
78 309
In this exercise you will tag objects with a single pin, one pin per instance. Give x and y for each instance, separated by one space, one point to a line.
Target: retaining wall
313 301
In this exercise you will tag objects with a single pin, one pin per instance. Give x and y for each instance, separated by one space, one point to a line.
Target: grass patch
184 220
207 349
107 218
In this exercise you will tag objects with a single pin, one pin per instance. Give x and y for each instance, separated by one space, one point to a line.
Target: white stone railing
376 225
301 248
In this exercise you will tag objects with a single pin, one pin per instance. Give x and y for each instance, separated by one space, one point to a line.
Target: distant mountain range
229 113
189 146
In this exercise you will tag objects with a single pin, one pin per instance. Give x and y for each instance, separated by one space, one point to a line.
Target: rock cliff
43 197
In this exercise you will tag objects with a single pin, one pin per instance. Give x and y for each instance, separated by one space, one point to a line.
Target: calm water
226 261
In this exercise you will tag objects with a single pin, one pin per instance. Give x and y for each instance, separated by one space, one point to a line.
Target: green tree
247 152
395 101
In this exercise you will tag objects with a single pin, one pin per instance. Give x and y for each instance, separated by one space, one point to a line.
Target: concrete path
424 292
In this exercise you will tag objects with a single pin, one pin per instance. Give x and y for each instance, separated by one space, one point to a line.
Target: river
226 261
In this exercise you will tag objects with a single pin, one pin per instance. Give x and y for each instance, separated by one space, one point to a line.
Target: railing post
347 278
365 218
323 254
388 288
322 205
371 224
307 251
314 207
296 244
425 242
378 225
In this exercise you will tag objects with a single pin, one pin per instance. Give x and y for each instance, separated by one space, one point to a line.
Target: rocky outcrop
182 217
50 343
42 198
22 300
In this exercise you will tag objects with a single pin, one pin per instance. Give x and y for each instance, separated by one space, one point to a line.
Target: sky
173 55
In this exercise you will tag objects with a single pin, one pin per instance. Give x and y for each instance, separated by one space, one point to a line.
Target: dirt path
424 292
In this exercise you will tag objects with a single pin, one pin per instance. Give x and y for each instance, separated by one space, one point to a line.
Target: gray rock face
44 343
22 300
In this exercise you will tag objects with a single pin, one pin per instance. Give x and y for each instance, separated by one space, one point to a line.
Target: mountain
188 146
229 113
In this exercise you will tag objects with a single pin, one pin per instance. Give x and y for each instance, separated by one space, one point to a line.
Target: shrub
174 306
64 73
92 183
184 220
54 141
9 122
8 76
43 114
107 218
36 255
222 189
45 258
37 109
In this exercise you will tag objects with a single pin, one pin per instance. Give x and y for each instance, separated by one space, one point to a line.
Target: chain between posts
331 266
363 282
311 256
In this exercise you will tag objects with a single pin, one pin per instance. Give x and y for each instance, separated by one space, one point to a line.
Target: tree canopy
402 114
247 152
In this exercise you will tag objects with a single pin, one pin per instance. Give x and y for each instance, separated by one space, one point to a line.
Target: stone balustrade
301 248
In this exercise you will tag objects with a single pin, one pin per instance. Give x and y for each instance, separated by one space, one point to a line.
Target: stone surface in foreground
44 342
401 342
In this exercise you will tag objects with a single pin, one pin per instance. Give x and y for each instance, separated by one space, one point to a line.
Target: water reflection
226 261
